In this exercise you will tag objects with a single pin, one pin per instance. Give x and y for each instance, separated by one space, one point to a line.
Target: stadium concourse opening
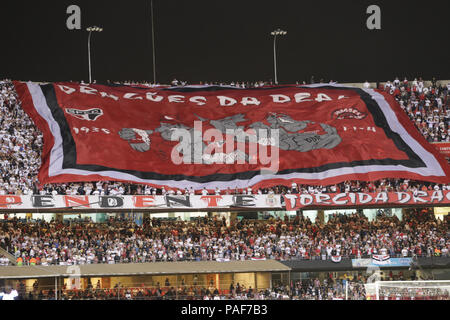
168 276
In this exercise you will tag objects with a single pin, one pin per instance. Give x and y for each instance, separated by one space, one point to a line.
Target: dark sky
226 40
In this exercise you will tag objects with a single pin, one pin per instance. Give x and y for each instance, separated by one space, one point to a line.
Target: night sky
209 40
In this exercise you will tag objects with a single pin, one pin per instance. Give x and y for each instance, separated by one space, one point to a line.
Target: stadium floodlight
90 30
153 42
275 34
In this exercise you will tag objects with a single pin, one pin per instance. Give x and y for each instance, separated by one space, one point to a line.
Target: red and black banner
328 134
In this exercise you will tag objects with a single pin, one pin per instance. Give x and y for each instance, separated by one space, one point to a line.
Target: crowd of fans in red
310 289
427 107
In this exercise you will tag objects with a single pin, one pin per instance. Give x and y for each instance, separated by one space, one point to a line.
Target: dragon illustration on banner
292 135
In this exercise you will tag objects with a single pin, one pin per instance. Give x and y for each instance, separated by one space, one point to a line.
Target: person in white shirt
9 294
294 187
396 82
404 252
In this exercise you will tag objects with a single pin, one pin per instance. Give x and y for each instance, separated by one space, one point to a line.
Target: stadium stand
120 241
21 144
349 236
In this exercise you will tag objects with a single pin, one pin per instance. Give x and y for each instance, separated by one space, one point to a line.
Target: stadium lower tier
300 255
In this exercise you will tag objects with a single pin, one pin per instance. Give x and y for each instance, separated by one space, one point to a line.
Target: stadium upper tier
426 103
418 233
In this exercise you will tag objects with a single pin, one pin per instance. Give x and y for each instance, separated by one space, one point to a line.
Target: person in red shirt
419 251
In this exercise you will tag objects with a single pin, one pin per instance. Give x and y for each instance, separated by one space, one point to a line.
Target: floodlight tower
275 34
90 30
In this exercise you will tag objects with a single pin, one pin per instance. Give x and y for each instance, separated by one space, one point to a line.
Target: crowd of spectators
116 188
21 145
301 290
179 83
400 293
427 106
308 289
418 233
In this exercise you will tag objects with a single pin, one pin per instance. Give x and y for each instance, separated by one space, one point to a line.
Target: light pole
90 30
153 43
275 34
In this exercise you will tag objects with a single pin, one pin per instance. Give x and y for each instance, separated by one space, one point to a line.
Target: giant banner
226 202
203 136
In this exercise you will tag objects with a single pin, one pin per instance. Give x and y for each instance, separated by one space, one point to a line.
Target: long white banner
290 202
139 202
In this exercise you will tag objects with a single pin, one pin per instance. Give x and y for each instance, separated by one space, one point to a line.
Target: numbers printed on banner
85 130
369 129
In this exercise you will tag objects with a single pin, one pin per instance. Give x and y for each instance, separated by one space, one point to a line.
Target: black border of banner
70 156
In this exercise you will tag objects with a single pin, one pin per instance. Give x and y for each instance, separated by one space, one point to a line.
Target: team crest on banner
271 200
348 113
336 259
88 115
381 258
